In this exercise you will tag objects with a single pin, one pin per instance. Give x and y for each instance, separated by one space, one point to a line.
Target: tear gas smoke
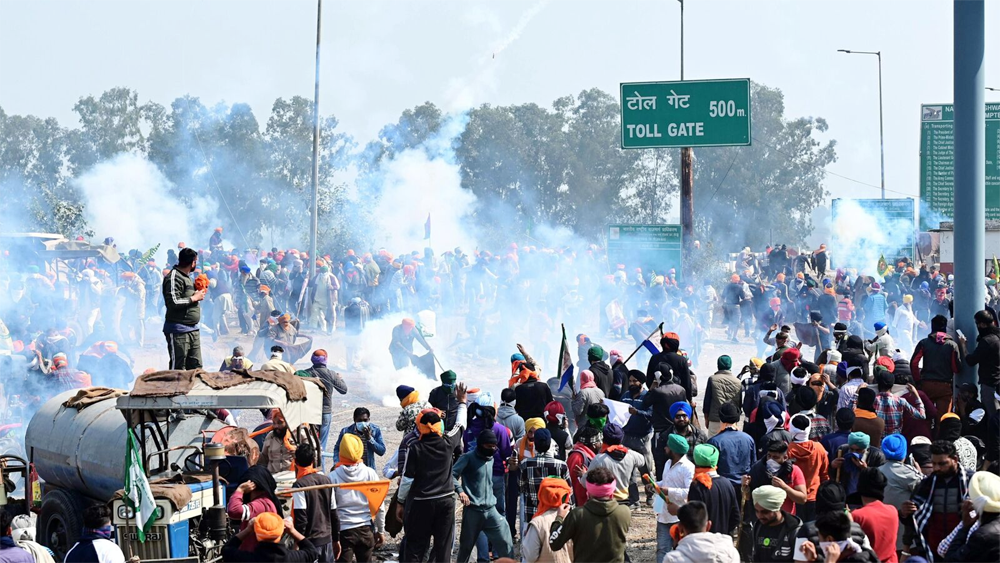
424 181
128 198
861 235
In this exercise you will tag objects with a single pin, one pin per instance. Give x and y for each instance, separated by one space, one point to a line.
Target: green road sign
687 113
937 164
650 247
892 215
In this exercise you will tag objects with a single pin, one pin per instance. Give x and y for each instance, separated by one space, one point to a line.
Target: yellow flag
374 491
882 265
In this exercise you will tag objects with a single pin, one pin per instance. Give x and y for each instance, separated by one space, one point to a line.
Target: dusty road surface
372 383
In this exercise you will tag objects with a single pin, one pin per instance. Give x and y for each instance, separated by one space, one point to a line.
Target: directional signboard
650 247
937 164
894 238
688 113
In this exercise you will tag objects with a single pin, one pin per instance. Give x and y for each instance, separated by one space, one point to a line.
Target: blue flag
650 347
565 364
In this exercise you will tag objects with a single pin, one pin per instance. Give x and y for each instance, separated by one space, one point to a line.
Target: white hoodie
705 547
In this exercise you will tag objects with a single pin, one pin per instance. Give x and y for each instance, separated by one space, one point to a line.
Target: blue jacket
373 447
737 453
639 424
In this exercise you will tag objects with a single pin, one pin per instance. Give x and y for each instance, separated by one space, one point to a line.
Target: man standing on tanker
180 324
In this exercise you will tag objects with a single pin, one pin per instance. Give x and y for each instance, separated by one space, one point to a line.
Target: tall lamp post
687 178
881 137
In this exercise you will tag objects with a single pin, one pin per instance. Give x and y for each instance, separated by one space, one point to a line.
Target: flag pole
659 328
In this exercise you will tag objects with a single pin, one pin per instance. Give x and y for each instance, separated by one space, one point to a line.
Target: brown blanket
174 382
91 395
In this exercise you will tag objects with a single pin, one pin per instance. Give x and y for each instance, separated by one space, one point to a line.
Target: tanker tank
83 450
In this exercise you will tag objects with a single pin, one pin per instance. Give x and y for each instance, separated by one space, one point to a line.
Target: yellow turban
351 450
907 298
533 424
268 527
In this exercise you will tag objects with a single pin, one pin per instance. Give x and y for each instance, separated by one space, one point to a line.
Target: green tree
110 124
36 192
746 195
288 139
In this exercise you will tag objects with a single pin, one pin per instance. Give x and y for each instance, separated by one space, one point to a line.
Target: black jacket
177 290
602 377
267 552
531 398
445 400
809 532
780 543
428 462
983 545
660 398
678 366
987 357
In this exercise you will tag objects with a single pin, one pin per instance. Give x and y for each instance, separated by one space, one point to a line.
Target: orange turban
552 493
268 527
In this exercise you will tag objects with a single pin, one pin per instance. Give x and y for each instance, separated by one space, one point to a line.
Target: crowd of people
870 450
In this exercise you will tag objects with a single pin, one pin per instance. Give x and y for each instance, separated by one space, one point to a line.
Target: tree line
528 165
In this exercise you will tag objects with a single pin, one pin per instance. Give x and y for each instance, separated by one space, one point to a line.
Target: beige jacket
535 543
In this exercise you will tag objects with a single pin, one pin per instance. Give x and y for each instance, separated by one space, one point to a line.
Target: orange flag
374 491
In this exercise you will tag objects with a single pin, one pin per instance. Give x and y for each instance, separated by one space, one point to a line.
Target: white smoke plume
128 198
426 181
861 236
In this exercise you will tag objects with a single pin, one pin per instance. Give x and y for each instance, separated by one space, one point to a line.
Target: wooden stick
290 492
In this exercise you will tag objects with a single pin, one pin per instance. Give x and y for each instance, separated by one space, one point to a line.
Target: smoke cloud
129 198
861 235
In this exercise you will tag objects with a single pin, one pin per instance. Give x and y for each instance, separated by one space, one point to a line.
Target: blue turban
879 326
245 269
613 434
894 447
772 409
680 406
516 358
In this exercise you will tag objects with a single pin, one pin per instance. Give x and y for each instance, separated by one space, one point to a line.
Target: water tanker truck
78 450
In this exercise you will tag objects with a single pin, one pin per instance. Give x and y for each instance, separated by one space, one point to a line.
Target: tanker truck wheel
60 522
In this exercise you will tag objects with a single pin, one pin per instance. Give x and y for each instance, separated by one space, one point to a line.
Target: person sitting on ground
267 530
237 361
599 528
275 363
694 540
95 544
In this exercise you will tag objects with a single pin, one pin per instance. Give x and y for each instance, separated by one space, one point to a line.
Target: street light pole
314 222
687 178
881 136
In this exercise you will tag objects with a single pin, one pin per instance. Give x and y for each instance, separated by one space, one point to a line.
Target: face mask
361 426
773 466
485 453
448 386
635 388
824 545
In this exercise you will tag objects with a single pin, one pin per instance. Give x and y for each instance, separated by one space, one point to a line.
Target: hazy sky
381 57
